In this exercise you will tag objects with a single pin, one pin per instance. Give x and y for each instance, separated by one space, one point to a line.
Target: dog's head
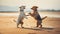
22 7
34 8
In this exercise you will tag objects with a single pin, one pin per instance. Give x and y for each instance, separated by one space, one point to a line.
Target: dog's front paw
29 13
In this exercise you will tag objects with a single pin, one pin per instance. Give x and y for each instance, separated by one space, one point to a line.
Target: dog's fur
21 16
36 16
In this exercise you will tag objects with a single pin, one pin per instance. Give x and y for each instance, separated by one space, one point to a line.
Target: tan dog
36 16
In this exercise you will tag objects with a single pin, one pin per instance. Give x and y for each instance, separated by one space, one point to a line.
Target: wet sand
51 25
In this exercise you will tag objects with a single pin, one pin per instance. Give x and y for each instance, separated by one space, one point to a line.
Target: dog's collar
21 10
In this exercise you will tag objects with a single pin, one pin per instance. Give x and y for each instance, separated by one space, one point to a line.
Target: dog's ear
34 7
19 7
24 7
31 7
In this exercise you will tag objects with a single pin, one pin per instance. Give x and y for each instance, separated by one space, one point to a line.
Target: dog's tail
44 17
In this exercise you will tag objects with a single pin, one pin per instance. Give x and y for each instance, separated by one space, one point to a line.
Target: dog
21 16
36 16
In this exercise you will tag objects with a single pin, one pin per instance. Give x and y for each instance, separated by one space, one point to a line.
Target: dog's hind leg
17 25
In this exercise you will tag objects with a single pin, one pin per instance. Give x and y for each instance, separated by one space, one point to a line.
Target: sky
42 4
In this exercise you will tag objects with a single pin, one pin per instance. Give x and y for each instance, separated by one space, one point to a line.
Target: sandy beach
51 25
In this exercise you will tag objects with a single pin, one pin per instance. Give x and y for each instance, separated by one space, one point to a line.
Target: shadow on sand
39 29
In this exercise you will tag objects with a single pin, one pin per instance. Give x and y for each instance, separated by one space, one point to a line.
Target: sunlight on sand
51 25
31 22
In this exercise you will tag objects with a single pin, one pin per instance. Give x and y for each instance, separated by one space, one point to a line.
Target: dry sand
51 25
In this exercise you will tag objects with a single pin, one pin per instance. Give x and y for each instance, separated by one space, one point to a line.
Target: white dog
21 16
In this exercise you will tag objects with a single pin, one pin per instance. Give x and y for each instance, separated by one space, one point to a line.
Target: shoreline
42 14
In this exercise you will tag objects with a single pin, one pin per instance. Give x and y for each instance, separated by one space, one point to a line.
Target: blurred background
13 5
